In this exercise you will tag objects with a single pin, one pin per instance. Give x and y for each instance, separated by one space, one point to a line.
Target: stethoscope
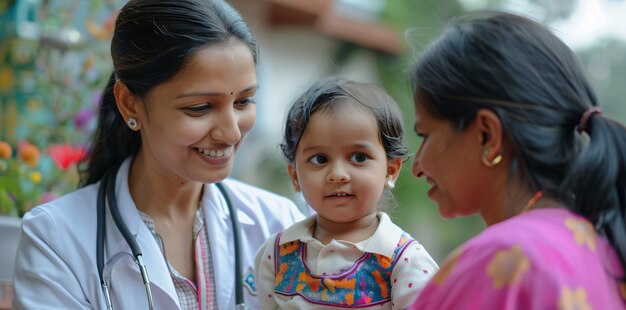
104 272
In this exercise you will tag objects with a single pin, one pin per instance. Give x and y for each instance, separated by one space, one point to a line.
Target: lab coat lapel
222 245
158 271
156 265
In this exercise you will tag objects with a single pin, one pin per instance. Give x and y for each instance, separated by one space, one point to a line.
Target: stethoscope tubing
106 194
101 232
108 188
239 302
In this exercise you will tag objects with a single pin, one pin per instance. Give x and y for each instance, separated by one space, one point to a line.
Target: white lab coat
56 259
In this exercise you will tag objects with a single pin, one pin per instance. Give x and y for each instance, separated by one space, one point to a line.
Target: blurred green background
54 60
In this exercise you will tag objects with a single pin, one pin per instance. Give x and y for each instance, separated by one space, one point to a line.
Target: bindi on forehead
248 89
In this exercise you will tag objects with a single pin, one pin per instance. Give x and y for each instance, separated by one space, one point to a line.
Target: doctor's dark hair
153 40
522 72
325 95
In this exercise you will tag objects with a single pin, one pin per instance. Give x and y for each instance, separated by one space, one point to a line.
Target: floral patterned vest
366 283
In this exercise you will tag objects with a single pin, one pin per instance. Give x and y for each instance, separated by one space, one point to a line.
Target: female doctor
172 117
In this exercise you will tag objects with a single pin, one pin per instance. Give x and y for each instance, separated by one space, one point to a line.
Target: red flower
65 155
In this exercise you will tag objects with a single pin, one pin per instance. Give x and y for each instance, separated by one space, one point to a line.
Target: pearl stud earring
132 123
390 184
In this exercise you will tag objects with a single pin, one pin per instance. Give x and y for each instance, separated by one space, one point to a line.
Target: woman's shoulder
68 207
536 259
536 235
551 244
65 223
542 226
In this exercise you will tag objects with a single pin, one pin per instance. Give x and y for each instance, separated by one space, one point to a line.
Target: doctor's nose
226 128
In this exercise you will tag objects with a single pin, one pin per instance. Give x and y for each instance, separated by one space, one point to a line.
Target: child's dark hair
326 93
518 69
153 40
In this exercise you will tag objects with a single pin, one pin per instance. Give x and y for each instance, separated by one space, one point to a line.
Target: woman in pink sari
512 131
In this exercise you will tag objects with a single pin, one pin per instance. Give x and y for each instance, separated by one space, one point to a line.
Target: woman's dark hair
521 71
326 95
152 42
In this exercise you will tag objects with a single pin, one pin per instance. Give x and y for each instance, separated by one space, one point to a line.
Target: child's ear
294 177
393 168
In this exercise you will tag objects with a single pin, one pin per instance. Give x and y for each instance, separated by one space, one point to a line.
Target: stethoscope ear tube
101 229
239 301
117 218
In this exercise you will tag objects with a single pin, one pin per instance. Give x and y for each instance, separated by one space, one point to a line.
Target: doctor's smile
215 156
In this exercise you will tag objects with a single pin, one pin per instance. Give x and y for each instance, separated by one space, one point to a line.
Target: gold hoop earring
490 164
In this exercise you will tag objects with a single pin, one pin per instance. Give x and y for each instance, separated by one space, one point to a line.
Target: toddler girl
343 141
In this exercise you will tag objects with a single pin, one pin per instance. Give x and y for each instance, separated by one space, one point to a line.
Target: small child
343 141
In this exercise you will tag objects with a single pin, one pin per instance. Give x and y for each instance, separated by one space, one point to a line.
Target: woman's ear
129 105
294 177
490 131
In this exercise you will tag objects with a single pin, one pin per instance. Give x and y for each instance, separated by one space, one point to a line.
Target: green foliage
20 187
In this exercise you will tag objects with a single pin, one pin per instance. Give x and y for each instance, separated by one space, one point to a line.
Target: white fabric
413 269
9 234
56 260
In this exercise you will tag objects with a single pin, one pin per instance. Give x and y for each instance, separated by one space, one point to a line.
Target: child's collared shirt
388 259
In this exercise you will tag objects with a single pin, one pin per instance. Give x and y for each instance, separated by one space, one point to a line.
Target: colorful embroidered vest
366 283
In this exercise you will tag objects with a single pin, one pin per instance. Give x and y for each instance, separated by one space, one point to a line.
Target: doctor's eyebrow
213 94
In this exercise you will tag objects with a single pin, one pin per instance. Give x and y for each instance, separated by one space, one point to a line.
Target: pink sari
543 259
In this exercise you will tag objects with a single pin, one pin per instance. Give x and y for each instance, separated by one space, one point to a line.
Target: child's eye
318 160
358 157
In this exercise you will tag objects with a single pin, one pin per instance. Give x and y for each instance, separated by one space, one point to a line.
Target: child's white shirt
413 268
